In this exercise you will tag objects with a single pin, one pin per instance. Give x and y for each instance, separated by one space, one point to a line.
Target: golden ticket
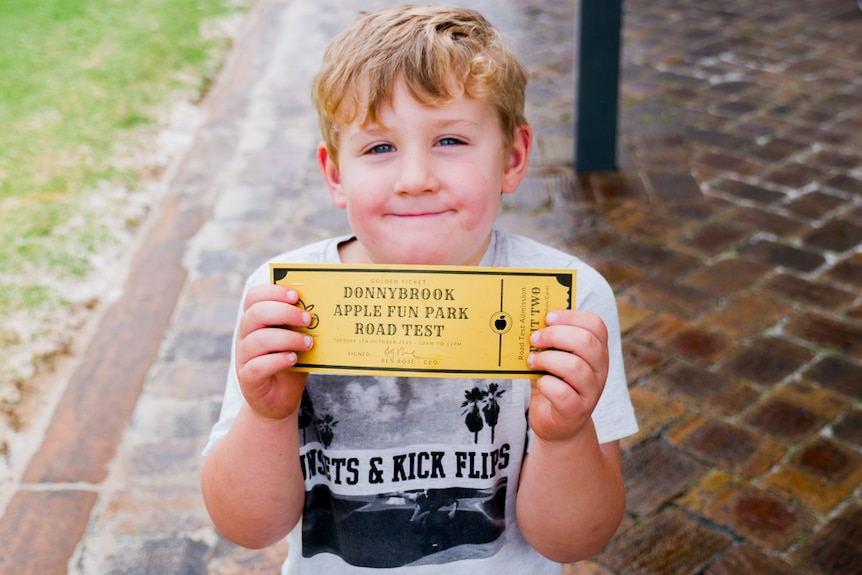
437 321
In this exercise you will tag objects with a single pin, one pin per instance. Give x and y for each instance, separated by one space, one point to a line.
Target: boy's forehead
367 102
442 116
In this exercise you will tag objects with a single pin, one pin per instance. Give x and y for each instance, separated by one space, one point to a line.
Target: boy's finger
272 340
262 367
269 313
269 292
575 340
562 396
570 369
578 318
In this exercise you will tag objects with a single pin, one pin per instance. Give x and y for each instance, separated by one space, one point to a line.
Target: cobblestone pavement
731 234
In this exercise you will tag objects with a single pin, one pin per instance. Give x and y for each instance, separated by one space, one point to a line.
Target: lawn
82 82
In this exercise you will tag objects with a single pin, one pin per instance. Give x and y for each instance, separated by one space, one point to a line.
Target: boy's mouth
423 214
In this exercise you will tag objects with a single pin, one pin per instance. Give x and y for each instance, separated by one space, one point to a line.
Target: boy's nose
415 175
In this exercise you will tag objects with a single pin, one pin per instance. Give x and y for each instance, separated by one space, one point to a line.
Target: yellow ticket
438 321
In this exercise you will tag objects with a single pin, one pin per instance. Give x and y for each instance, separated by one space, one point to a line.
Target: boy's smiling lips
421 214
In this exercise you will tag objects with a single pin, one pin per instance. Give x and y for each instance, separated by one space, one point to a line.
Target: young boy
421 110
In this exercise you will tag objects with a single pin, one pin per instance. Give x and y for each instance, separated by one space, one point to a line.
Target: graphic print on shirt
403 471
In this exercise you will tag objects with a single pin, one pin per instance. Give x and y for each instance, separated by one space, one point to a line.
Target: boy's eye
449 142
381 149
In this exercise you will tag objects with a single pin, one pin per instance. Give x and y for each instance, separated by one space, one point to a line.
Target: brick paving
730 233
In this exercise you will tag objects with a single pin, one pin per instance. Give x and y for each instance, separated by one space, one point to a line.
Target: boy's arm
571 496
252 481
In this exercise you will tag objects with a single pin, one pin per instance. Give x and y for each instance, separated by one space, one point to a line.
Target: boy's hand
573 349
266 347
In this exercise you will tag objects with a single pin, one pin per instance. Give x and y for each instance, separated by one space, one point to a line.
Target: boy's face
422 185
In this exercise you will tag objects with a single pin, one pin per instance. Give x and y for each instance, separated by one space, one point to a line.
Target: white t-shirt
419 475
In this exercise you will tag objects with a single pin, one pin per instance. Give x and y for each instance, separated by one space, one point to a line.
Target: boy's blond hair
440 52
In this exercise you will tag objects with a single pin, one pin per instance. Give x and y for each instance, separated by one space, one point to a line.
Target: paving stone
209 316
162 420
637 221
827 332
839 374
221 288
714 164
714 137
238 561
40 530
748 558
683 301
220 262
640 360
659 329
688 341
814 205
837 548
616 273
674 187
849 427
180 456
715 237
822 474
837 235
777 254
654 413
715 485
188 379
777 149
745 315
162 507
654 474
707 208
198 345
769 521
725 445
630 315
763 221
794 412
611 187
711 392
669 543
584 568
164 555
750 192
847 271
767 360
808 292
814 134
844 183
727 276
836 159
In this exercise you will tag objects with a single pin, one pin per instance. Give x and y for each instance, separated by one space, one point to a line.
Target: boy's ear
519 156
331 175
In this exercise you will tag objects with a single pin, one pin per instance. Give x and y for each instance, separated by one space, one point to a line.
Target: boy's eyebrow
375 128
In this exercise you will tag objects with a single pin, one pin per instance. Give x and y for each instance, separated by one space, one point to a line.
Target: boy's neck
351 251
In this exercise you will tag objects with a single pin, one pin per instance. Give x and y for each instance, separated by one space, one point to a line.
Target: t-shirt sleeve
614 416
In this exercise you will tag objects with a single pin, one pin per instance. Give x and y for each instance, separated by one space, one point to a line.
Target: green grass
80 80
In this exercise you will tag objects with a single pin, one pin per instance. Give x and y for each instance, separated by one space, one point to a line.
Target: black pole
597 91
